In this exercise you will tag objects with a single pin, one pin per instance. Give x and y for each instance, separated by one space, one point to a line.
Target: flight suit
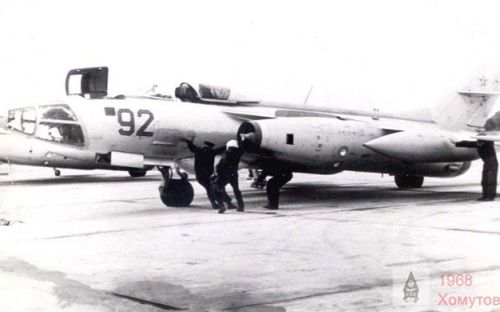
227 172
204 158
486 150
280 176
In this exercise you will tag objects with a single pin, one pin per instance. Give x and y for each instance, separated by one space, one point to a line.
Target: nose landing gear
57 172
175 192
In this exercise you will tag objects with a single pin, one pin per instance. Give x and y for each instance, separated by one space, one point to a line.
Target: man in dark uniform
486 150
204 158
280 176
227 172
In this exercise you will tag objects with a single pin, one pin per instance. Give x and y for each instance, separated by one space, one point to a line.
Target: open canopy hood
88 82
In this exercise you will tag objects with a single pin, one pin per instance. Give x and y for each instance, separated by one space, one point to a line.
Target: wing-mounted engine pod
249 136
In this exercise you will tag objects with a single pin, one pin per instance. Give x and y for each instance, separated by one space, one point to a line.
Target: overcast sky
386 54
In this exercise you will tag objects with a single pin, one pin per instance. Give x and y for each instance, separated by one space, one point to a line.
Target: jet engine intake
249 136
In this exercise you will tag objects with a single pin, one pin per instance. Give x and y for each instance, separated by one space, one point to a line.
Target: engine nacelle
331 145
420 146
307 144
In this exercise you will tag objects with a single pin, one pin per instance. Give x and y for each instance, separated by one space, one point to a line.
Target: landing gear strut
408 181
175 192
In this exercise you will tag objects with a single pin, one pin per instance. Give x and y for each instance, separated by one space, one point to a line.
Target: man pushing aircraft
486 150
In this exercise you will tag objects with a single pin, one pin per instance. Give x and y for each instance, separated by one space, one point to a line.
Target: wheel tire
57 173
178 193
408 181
137 173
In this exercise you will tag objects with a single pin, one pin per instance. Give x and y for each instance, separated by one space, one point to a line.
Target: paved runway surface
101 241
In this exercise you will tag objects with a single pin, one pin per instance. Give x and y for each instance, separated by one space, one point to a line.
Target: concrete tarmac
102 241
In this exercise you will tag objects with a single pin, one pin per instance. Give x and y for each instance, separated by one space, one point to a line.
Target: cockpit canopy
187 93
57 112
56 123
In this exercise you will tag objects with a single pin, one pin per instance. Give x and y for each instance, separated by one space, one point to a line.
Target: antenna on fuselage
152 89
308 94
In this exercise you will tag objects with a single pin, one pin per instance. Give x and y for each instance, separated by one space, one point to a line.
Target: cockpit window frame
60 128
21 112
45 109
62 133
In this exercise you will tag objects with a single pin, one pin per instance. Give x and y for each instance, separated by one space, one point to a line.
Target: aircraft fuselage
155 129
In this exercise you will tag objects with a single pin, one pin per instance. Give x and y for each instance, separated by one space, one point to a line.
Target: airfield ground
101 241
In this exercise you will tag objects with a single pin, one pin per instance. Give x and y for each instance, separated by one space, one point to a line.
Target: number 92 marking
127 121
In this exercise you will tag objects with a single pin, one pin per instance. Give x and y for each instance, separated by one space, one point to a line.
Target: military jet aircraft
89 127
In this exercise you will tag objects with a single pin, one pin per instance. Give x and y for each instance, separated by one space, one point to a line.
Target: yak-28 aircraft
93 130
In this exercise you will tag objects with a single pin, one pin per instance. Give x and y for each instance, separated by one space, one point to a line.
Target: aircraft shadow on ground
298 196
335 194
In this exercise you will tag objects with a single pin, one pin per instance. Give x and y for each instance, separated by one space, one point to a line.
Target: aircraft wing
389 125
257 113
245 116
488 136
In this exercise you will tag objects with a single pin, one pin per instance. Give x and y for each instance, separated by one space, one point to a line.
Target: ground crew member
204 165
227 172
486 150
280 176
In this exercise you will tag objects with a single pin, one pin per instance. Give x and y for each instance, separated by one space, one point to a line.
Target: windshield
56 123
57 112
60 132
22 119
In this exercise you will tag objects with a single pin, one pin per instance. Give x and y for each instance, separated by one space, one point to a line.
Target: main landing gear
57 172
137 173
175 192
408 181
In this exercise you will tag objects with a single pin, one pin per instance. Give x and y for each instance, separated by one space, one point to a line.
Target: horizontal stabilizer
479 93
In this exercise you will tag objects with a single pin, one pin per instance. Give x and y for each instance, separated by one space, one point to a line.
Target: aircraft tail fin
470 107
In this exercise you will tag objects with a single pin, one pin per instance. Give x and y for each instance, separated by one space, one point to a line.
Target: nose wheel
57 172
175 192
